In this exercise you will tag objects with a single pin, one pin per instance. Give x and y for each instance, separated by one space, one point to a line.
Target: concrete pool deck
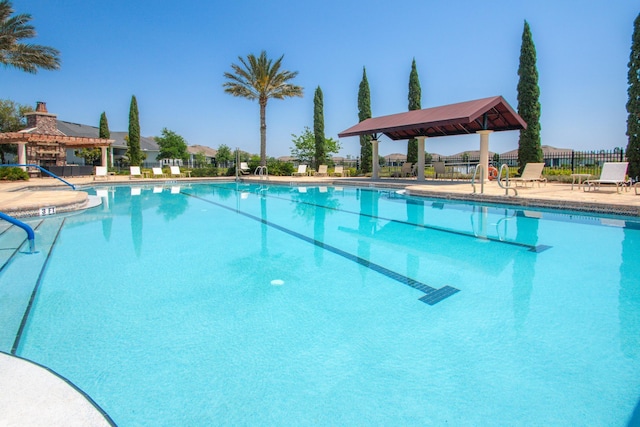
33 395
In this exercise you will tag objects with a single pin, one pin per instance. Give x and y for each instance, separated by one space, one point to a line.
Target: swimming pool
244 304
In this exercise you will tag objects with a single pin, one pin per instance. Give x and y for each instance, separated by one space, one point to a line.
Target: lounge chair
101 172
244 168
322 171
532 172
175 172
134 172
157 173
405 170
302 171
340 170
612 173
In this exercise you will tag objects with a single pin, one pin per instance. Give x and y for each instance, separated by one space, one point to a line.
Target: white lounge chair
244 168
322 171
134 172
441 172
532 172
157 173
338 170
101 172
175 172
612 173
302 171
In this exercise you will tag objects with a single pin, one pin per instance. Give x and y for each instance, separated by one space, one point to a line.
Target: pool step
19 273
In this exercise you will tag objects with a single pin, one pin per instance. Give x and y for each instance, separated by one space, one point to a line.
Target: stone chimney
41 121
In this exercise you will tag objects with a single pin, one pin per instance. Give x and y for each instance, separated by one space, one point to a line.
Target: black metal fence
575 161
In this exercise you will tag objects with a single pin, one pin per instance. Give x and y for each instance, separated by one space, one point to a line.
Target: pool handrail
53 175
30 234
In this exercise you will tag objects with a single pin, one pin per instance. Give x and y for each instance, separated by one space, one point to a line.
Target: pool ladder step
20 272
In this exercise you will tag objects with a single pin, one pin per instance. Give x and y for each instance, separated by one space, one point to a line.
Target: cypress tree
415 94
364 112
134 133
318 127
633 104
104 133
529 147
104 127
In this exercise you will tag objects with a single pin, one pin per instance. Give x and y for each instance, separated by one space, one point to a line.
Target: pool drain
277 282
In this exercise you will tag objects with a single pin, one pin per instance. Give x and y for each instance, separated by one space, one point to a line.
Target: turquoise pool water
228 304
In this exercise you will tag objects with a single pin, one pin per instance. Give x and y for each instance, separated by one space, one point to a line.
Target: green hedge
13 174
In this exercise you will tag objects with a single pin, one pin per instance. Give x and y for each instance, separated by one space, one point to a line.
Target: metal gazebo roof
469 117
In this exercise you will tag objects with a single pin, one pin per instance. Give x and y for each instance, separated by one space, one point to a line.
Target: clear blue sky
172 56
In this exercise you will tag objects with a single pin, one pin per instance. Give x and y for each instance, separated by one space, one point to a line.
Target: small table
580 177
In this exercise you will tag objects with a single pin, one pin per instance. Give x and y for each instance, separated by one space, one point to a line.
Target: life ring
493 173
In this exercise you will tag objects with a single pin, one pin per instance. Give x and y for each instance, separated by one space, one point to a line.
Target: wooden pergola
481 116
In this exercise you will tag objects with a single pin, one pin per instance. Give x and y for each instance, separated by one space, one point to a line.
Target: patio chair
340 170
175 172
406 170
612 173
244 168
134 172
322 171
441 171
532 172
157 173
302 171
101 172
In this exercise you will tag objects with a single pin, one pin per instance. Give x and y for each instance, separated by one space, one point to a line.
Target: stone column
420 167
484 151
374 159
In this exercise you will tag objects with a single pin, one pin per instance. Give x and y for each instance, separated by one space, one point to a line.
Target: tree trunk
263 132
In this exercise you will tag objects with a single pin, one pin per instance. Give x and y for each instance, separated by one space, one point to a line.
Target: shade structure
463 118
481 116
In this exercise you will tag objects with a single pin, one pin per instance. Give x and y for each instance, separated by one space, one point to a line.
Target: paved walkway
32 395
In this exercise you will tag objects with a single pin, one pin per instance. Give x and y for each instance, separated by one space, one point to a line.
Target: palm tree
26 57
260 78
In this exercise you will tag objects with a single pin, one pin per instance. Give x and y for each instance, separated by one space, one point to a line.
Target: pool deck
32 395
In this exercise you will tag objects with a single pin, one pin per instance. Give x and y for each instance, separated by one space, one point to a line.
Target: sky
172 57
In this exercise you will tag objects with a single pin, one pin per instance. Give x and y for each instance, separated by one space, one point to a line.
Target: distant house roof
455 119
75 129
207 151
546 150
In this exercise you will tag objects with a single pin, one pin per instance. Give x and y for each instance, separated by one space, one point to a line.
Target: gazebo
482 116
43 144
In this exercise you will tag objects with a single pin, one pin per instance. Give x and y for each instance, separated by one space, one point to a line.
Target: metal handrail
473 178
31 236
506 187
262 172
42 170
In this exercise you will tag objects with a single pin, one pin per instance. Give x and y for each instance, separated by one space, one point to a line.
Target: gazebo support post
420 167
374 159
22 155
104 161
484 151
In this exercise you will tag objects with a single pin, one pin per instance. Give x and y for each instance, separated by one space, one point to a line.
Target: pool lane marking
432 295
27 312
531 248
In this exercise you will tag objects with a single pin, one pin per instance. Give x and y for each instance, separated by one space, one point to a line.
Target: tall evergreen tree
633 104
529 147
318 128
415 94
105 133
134 153
104 127
364 112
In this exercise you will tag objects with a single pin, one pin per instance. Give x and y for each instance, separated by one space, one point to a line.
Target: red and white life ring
493 173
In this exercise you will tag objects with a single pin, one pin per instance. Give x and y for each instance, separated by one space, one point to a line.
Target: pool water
233 304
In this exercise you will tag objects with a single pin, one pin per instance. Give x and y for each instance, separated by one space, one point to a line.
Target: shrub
208 171
13 174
